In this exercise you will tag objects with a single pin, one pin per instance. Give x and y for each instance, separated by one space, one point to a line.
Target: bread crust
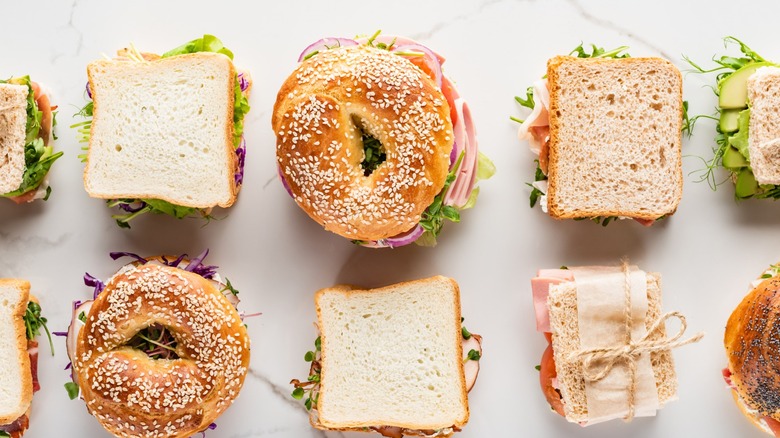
348 290
751 338
133 395
232 160
20 335
319 147
553 78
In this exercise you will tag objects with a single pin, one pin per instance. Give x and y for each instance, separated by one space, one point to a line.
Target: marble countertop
707 253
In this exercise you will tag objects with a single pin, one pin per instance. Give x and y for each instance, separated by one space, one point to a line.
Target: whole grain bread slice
764 129
163 129
13 126
15 375
392 357
615 137
562 303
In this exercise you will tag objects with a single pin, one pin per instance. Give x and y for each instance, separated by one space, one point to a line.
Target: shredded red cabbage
60 334
212 426
91 281
128 207
118 255
241 155
242 82
89 91
196 266
174 263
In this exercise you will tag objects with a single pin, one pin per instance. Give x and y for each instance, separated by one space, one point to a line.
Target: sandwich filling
746 143
536 130
38 137
33 322
310 389
132 208
467 165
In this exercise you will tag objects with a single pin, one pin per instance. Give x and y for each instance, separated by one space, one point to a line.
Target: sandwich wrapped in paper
609 355
607 131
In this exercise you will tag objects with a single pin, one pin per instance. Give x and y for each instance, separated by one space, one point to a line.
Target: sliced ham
466 140
536 127
17 428
727 378
32 351
471 367
774 425
540 286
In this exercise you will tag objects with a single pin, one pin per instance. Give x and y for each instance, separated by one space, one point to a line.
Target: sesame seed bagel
751 340
320 114
133 395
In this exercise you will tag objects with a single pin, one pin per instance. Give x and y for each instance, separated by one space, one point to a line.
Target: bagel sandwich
374 143
164 133
27 119
606 129
395 360
750 341
584 308
160 349
20 321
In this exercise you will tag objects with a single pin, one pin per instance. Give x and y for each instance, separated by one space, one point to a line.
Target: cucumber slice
733 89
729 121
746 185
733 160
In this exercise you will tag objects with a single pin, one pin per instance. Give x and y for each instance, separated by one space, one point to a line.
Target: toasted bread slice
615 137
13 126
392 356
764 138
562 303
15 375
163 129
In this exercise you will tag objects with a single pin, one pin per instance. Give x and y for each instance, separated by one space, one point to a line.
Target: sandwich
21 323
164 133
751 350
374 143
600 324
27 119
748 88
410 334
607 132
160 349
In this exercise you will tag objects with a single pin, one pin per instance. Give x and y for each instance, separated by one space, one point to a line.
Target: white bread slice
615 137
392 356
764 138
163 129
13 126
562 303
15 377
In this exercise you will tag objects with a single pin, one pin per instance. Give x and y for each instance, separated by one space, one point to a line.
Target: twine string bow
597 363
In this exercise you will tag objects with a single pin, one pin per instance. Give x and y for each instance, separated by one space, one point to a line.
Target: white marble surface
277 257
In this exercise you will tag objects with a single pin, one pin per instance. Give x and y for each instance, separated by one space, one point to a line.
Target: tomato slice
546 375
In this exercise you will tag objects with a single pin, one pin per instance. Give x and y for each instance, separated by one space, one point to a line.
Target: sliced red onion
325 44
396 241
428 57
89 90
284 182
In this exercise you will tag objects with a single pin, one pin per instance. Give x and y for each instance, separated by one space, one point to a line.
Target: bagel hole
373 150
156 341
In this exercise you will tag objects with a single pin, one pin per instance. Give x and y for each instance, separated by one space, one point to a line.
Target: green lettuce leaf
740 139
209 43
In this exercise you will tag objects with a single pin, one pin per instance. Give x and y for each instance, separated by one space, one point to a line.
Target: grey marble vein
79 34
601 22
438 27
268 183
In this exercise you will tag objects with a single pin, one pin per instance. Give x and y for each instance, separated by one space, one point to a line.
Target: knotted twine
597 363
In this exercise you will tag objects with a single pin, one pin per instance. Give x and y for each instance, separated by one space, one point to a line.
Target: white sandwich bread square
392 356
615 137
15 376
163 129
